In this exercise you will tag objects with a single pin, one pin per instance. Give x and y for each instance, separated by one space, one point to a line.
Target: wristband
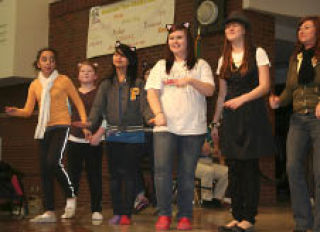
215 124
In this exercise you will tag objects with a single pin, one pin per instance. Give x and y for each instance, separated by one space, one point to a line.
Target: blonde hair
94 65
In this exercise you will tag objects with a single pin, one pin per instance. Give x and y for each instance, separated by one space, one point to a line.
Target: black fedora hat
239 17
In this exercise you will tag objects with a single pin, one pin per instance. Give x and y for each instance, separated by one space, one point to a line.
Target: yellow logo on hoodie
134 92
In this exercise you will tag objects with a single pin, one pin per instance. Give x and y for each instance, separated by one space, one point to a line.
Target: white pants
209 173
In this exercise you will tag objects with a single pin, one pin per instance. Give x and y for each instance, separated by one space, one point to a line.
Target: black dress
246 132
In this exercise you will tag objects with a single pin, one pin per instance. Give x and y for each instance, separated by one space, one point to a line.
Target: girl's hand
95 139
160 119
81 124
234 103
87 134
206 149
215 136
182 82
318 111
151 121
10 110
274 101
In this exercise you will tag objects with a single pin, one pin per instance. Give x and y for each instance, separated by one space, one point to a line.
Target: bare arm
219 107
204 88
153 96
221 97
261 90
144 106
204 85
264 85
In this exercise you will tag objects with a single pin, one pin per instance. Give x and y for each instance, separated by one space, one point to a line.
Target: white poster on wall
139 23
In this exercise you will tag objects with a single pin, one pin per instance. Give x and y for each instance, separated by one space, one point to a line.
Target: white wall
27 23
32 29
293 8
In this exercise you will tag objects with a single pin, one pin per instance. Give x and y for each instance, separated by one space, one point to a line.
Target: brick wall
68 35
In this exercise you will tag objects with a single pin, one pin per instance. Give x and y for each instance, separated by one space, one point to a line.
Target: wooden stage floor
270 219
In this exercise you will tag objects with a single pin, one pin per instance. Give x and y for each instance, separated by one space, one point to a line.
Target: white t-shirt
184 107
261 58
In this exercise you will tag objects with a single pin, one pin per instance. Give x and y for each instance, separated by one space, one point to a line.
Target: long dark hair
249 49
299 46
131 54
35 63
191 59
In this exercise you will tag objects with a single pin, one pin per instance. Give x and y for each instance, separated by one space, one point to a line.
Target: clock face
207 12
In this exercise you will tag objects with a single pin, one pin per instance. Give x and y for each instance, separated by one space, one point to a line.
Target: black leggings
244 186
123 159
52 147
90 157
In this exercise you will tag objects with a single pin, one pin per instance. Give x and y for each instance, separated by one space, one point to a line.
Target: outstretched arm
28 107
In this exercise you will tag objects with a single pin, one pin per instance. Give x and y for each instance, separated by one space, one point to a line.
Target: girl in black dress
245 132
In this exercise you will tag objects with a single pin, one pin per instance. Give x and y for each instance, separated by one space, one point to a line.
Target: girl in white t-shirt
245 132
177 87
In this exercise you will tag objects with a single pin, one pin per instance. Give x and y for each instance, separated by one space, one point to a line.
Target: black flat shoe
300 230
239 229
225 228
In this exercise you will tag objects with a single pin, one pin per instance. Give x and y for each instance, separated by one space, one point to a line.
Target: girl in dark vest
245 132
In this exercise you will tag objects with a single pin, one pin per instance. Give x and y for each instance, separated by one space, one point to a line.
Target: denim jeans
304 131
187 149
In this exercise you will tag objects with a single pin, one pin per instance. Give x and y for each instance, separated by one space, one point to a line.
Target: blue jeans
304 131
187 148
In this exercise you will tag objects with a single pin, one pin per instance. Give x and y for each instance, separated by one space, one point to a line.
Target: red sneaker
124 220
184 224
163 223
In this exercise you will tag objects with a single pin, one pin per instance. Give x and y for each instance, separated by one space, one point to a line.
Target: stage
276 218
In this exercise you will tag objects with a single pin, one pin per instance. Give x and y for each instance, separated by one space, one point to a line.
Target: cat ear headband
95 64
118 43
186 25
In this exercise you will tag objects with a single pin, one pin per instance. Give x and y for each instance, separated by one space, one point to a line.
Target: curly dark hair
35 63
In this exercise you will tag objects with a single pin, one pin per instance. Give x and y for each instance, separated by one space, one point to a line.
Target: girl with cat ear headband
186 25
177 87
82 152
121 99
